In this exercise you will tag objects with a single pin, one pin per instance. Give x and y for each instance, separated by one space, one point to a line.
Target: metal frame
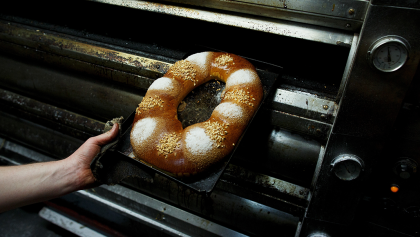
357 125
344 14
273 26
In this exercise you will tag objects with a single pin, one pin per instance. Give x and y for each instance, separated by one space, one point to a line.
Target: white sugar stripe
143 129
162 83
242 76
200 59
197 141
229 110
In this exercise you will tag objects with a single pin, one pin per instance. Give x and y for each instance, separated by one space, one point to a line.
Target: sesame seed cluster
185 70
149 103
217 132
168 144
224 60
240 96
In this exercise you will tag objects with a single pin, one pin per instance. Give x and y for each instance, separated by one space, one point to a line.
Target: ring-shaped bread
157 136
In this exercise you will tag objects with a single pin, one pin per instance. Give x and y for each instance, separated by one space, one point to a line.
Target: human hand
82 157
46 180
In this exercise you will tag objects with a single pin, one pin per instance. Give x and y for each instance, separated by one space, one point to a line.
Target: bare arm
27 184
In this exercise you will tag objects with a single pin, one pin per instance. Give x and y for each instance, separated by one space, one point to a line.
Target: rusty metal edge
64 45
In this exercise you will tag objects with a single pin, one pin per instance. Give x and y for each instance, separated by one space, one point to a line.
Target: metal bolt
348 25
325 107
323 116
351 11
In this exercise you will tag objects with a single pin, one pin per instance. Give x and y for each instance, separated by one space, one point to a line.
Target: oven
332 152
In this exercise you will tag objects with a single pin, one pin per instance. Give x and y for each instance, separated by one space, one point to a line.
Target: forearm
27 184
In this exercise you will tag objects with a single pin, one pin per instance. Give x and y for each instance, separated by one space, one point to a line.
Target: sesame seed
216 132
185 70
149 103
224 59
168 144
239 96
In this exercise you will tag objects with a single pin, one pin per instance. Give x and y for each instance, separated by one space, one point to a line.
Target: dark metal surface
88 51
368 110
279 153
40 138
300 124
135 210
26 222
321 76
89 96
76 57
254 193
397 3
104 168
198 106
274 163
47 115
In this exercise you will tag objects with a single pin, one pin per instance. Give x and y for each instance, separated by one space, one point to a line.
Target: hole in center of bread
199 104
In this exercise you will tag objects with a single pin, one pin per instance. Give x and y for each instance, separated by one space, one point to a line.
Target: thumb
105 138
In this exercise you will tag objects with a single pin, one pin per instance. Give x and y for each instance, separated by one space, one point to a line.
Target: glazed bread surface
157 136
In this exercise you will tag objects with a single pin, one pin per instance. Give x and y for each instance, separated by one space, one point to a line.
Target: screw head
351 11
348 25
325 107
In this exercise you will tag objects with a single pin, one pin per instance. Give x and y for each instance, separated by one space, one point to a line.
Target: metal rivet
351 11
325 107
348 25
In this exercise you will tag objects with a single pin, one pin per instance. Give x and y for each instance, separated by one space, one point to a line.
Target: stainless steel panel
347 15
300 124
349 64
373 98
305 104
369 106
339 8
279 27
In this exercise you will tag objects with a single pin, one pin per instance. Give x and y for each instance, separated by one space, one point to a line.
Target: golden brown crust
157 136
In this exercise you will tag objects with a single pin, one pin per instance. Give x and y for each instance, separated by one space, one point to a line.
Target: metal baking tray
115 164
